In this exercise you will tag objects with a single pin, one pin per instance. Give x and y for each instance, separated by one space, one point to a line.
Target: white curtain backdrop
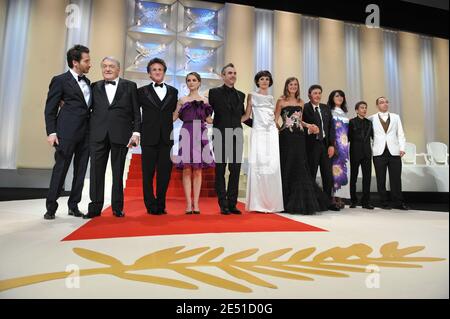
352 66
264 39
429 88
310 45
77 33
391 71
11 76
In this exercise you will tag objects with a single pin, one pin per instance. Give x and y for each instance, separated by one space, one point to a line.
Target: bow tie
156 85
84 78
110 82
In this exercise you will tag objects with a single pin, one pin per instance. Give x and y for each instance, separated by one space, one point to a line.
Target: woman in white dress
264 190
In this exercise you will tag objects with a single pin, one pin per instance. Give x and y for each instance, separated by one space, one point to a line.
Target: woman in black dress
301 195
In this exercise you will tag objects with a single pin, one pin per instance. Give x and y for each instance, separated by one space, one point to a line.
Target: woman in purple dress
194 149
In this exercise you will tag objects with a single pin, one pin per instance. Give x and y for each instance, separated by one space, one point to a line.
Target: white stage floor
30 245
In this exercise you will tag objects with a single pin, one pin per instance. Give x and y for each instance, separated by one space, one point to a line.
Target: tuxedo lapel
152 96
73 83
119 92
103 92
166 99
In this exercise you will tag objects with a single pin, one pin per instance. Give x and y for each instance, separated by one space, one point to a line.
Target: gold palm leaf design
241 266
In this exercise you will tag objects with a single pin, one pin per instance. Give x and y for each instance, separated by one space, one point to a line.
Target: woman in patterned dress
340 161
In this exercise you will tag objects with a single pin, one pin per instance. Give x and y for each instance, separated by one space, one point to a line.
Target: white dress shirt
321 120
161 91
111 90
83 86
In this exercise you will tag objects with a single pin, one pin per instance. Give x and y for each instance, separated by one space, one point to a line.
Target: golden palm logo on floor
301 265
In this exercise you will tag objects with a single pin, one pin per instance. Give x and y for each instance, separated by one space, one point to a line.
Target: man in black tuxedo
320 146
228 105
158 101
115 125
66 120
360 133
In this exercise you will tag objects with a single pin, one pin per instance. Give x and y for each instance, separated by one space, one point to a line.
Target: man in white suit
388 148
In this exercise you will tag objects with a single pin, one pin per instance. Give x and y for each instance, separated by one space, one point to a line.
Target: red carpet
138 223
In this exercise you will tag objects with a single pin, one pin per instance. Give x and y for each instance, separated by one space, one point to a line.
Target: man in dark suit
66 120
320 146
158 101
115 125
360 133
228 105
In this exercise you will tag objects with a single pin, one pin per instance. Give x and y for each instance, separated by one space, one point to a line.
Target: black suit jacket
157 115
71 120
360 145
120 118
226 114
328 128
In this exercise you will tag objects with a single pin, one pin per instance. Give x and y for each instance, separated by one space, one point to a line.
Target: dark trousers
366 168
99 159
64 152
394 165
156 158
318 157
228 153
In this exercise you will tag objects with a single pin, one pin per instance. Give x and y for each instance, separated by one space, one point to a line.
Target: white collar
115 80
153 83
75 74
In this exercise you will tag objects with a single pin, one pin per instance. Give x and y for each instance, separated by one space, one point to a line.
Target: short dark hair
313 87
331 104
74 54
154 61
357 105
260 74
229 65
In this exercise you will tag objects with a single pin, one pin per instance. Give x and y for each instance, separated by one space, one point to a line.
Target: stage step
134 180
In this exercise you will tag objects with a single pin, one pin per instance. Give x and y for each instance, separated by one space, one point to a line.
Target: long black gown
301 195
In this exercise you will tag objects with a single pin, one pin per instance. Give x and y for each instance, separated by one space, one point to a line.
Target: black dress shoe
234 210
75 212
188 212
386 206
334 207
90 215
352 205
402 206
224 211
159 212
118 213
151 211
367 206
196 212
49 215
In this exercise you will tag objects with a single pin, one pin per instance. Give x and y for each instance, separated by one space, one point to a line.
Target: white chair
410 157
437 154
